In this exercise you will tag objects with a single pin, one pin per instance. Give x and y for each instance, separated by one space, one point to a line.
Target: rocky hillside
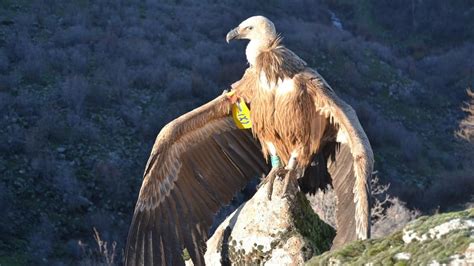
85 86
439 239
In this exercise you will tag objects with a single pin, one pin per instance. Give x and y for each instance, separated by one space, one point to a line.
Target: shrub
110 175
137 51
6 198
73 35
396 216
43 167
150 76
466 126
79 58
32 68
81 129
324 204
449 191
389 214
68 186
450 69
4 62
74 91
13 140
40 241
382 132
179 85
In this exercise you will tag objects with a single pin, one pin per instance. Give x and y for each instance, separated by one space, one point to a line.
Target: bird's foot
276 172
290 187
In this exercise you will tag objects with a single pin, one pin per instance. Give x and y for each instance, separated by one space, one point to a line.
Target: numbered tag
241 114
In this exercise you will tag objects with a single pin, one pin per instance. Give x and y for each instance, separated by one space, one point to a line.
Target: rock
280 231
402 256
442 239
438 231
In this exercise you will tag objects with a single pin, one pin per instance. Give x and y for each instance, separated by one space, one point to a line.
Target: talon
270 178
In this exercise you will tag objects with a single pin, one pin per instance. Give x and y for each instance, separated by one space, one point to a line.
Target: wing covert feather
351 184
197 164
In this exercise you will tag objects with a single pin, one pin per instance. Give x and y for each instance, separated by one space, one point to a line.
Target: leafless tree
466 127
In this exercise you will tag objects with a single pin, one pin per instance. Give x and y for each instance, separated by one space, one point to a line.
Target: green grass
382 251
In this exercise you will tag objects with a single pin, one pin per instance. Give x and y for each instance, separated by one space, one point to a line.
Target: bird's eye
249 27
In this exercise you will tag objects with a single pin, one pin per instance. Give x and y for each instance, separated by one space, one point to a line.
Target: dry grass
466 127
102 254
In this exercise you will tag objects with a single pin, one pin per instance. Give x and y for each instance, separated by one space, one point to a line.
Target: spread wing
198 162
348 156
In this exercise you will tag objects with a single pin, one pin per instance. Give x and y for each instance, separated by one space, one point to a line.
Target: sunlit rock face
279 231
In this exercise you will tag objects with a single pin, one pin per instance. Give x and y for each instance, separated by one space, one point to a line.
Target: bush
396 216
6 198
13 140
81 129
389 213
109 174
74 91
448 69
449 191
382 132
324 204
4 62
466 126
77 34
32 68
41 241
65 181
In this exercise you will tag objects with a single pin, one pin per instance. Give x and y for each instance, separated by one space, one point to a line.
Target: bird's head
256 28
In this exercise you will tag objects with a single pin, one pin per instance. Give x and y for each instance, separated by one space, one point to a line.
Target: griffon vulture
202 158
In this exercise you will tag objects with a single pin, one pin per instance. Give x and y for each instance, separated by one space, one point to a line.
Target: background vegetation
85 86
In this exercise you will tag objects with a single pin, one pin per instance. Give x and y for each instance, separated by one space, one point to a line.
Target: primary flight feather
201 159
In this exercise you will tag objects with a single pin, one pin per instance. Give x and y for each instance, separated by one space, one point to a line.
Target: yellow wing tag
241 114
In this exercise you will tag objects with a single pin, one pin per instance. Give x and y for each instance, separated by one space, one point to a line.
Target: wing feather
197 164
351 165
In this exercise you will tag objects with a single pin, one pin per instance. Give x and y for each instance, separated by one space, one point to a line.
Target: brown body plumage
201 159
288 120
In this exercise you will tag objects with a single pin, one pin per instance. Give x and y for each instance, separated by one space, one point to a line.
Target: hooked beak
233 34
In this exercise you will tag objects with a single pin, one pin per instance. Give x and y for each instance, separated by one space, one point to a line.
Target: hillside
442 238
86 86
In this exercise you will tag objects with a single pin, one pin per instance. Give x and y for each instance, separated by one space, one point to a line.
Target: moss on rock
385 250
317 233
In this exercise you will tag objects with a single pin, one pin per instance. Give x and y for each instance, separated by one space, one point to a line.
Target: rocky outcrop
280 231
446 239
